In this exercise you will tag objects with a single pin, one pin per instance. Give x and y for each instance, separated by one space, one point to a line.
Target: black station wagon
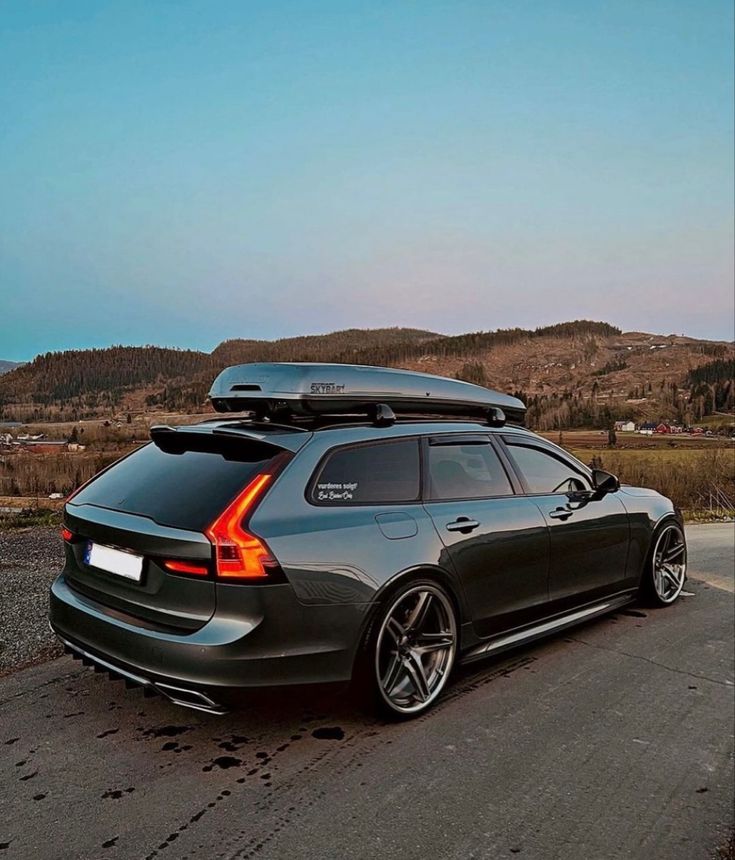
350 524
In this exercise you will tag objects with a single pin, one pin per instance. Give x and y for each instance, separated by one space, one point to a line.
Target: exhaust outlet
190 698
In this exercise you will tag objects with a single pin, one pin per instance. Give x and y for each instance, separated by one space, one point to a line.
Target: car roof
294 438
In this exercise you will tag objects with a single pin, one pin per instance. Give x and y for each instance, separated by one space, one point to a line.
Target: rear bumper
259 636
186 696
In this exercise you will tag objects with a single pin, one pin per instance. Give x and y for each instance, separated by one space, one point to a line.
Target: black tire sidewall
365 683
648 593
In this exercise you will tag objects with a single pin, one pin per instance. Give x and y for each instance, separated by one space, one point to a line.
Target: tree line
86 383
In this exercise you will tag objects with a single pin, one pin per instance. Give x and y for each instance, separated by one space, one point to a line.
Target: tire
409 651
664 573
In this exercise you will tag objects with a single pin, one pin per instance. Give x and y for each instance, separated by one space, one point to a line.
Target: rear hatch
138 545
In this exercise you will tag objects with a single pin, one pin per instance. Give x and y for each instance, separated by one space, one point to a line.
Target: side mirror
604 482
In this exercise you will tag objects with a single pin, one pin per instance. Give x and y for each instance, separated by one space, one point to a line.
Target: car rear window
369 474
186 490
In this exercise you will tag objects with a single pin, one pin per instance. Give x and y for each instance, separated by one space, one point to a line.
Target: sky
179 172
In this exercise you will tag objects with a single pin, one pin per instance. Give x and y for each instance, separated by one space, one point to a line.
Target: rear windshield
186 490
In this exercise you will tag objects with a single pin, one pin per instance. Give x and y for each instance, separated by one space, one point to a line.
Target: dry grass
595 439
686 470
27 473
698 481
31 474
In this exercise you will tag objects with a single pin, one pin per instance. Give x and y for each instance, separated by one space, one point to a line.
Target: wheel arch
437 573
672 518
426 571
663 520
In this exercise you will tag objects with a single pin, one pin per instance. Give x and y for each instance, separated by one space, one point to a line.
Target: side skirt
545 628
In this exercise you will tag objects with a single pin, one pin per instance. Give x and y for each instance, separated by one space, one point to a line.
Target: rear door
154 506
496 540
589 532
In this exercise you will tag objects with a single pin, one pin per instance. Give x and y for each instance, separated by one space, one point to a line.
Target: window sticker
332 492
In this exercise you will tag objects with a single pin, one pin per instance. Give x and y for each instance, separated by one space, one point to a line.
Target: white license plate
114 561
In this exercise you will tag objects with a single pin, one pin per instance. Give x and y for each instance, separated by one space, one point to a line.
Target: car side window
469 471
545 473
370 473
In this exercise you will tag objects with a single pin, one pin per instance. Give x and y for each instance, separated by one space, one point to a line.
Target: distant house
647 428
625 426
663 428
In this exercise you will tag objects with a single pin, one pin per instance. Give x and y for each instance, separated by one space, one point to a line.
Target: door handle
462 524
560 514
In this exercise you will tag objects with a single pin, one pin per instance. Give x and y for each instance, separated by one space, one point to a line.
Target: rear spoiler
231 443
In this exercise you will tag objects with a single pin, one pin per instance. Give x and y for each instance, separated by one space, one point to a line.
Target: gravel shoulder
29 561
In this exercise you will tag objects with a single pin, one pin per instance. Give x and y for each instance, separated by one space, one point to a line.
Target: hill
350 343
580 373
7 366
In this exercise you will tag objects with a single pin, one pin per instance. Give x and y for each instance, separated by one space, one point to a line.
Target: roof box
296 389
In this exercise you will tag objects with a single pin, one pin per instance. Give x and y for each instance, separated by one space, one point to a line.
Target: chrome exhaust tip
190 698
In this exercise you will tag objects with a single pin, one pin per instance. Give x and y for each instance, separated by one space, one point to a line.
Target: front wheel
411 649
666 569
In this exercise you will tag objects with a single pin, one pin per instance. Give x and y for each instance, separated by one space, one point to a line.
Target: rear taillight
66 534
238 553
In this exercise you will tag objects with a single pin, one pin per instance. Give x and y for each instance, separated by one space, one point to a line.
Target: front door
497 541
589 531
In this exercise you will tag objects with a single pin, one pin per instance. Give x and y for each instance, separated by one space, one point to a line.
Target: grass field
594 439
698 474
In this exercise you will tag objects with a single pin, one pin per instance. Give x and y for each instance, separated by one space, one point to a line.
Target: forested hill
91 380
59 376
321 347
572 374
7 366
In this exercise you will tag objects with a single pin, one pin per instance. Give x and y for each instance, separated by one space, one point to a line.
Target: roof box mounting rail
294 391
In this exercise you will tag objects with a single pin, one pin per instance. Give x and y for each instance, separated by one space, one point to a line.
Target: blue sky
184 172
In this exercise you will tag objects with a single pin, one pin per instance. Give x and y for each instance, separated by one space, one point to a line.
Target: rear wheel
666 568
411 649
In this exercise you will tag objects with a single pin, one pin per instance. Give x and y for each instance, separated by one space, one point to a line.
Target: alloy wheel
415 648
669 564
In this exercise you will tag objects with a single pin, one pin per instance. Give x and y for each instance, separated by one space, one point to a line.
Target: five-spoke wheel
415 648
668 564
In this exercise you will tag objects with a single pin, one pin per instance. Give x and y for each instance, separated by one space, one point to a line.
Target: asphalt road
615 740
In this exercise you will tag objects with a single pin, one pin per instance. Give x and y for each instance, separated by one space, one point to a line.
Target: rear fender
434 572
